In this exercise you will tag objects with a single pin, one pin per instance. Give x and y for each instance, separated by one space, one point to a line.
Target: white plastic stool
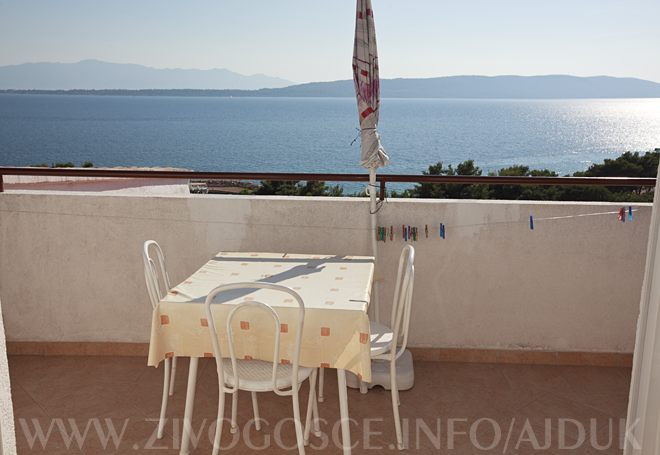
380 374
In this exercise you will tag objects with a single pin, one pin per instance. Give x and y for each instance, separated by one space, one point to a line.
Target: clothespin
531 221
414 233
630 216
442 231
403 233
391 233
622 215
426 230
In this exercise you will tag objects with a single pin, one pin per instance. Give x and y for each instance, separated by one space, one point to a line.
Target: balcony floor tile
456 408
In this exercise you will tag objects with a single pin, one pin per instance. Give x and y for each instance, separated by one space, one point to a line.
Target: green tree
629 164
450 191
524 192
64 164
296 188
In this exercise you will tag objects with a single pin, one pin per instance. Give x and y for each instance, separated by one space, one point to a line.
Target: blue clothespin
630 213
442 231
531 221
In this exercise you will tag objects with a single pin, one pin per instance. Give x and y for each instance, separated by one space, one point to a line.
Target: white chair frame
302 434
399 325
158 285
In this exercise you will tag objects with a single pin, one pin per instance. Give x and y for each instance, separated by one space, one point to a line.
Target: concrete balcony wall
71 267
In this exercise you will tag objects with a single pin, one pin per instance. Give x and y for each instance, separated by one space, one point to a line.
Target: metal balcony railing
382 179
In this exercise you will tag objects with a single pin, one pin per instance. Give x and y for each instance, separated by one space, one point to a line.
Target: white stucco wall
70 264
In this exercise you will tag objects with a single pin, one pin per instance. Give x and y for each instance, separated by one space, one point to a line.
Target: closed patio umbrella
367 91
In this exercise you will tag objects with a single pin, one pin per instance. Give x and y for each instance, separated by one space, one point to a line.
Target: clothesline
434 228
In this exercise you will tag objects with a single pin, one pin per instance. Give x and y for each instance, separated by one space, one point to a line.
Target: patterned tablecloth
336 291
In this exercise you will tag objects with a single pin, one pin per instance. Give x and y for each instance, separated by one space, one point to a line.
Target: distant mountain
515 87
95 74
554 86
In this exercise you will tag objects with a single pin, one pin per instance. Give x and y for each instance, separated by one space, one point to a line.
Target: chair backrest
155 274
402 304
269 312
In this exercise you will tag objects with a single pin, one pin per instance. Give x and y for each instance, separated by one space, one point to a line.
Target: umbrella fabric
367 86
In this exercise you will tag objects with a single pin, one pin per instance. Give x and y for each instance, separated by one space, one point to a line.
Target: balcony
508 323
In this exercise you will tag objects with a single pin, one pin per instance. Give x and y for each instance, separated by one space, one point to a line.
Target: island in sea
92 77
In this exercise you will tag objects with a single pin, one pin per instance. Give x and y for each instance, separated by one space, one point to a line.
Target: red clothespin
622 214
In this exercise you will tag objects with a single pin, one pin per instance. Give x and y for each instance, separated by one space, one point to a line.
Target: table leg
190 403
343 411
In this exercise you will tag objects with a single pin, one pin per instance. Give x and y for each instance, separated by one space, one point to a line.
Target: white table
336 292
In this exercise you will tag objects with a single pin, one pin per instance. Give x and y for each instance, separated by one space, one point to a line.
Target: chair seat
381 338
257 375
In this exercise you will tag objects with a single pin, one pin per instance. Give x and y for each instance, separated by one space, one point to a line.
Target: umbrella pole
374 241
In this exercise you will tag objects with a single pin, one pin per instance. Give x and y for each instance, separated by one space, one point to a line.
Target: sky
312 40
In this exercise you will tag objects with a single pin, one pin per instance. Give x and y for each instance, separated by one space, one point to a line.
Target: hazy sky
310 40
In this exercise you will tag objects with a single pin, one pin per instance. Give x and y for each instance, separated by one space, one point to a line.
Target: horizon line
4 65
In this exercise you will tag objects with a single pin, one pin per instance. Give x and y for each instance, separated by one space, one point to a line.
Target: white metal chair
389 343
383 347
158 284
257 375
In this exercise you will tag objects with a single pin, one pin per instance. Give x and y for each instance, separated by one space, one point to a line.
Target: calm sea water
315 134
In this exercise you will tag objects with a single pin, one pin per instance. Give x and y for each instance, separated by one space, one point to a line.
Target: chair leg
296 420
234 408
363 387
395 407
255 410
172 376
218 423
310 406
321 377
163 403
316 419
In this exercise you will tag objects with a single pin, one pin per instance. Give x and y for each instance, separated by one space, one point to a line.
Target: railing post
382 190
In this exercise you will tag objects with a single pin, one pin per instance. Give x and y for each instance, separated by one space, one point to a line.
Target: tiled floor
453 408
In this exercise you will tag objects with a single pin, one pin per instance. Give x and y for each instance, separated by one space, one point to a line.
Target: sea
319 134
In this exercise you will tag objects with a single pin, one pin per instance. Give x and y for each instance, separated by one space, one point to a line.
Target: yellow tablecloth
336 291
